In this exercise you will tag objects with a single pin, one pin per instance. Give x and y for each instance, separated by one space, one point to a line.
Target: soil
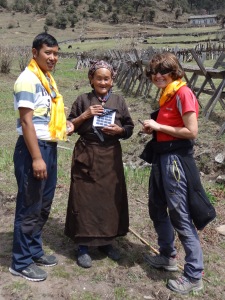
131 277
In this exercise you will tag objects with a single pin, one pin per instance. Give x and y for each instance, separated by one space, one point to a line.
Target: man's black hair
44 38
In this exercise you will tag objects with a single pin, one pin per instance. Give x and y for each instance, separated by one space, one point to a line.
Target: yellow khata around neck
170 90
57 124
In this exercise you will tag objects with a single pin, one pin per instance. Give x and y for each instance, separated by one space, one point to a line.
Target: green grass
120 293
17 287
184 41
60 272
138 176
87 296
6 159
89 45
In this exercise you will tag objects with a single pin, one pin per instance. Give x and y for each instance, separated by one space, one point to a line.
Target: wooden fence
131 66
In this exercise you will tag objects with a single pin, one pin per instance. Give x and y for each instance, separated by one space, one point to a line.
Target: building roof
202 17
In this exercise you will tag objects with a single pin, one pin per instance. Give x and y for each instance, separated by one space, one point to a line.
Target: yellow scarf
57 124
170 90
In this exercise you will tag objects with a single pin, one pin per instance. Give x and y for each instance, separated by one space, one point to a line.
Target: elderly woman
98 206
174 129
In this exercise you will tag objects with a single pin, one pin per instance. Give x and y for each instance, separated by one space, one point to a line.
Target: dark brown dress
97 208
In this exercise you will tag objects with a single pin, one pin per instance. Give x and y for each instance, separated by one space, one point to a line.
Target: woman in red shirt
174 129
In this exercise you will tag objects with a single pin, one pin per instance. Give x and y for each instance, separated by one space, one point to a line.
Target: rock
221 229
220 158
220 179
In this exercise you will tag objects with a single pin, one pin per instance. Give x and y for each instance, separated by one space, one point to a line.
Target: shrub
50 20
6 59
3 3
61 21
19 5
24 54
11 25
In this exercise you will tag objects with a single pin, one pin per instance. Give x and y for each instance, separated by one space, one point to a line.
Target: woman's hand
94 110
149 126
188 131
87 114
113 129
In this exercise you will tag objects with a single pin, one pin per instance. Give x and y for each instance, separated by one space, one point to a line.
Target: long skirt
97 208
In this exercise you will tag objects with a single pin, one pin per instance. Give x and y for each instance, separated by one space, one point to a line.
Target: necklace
103 99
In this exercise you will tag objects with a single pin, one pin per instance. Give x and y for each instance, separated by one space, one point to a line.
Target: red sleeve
186 101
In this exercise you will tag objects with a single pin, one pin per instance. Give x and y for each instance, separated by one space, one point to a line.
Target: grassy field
132 278
25 26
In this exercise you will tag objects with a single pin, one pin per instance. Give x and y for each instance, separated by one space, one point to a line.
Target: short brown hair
165 61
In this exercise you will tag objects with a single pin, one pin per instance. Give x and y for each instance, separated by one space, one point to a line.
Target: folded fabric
57 124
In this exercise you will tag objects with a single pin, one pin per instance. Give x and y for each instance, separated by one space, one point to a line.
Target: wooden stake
154 250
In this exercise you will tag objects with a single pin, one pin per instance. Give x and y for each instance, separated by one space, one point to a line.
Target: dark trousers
33 202
169 211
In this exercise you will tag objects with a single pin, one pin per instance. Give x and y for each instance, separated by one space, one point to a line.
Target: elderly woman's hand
113 129
94 110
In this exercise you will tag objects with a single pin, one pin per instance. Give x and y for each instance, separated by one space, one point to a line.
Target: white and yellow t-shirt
30 93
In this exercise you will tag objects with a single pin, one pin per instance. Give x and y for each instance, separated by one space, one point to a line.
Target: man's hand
39 168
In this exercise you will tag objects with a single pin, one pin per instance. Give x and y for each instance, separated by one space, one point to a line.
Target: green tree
109 8
128 9
91 7
139 3
64 2
73 20
19 5
50 20
76 3
84 14
172 4
45 28
222 20
3 3
220 4
61 21
28 8
150 15
43 8
178 13
191 3
115 18
70 9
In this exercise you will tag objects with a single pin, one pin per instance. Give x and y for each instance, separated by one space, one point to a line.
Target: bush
24 56
19 5
73 20
6 59
11 25
50 20
61 21
3 3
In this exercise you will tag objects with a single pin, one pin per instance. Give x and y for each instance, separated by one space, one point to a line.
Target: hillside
69 20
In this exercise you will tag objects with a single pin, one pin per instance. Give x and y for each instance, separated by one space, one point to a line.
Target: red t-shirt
172 111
